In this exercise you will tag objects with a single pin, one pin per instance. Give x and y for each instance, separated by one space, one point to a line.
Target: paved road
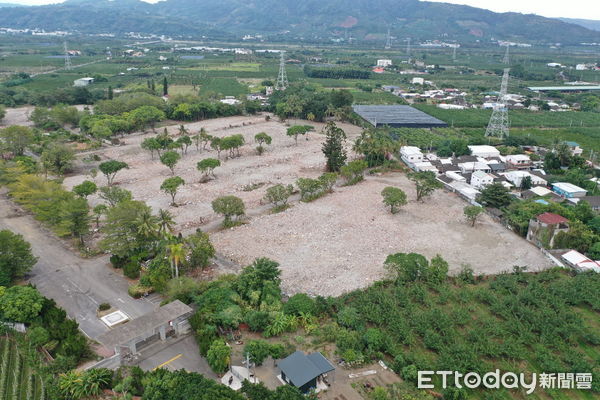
76 284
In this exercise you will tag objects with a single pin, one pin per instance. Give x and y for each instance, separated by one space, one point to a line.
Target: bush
118 262
104 307
349 317
137 291
257 320
132 269
299 304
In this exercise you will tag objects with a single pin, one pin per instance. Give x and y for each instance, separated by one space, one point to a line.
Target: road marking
167 362
121 300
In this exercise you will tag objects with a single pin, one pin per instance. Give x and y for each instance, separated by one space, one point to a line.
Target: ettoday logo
507 380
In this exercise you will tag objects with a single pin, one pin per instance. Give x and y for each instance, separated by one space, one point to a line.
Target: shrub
349 317
299 304
104 307
257 320
132 269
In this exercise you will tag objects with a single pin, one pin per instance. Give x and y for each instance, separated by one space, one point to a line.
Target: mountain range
307 19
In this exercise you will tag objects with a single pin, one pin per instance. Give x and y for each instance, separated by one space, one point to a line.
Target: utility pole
499 123
68 65
282 80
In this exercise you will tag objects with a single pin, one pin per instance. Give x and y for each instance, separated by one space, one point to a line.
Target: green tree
145 116
376 145
406 267
152 145
472 213
84 384
393 198
333 148
170 160
494 195
218 356
262 138
185 141
296 130
16 139
170 186
85 189
111 168
75 218
20 303
114 195
526 183
2 112
98 211
165 86
207 166
166 224
122 234
57 158
200 248
425 183
230 207
353 171
310 189
278 195
38 336
16 258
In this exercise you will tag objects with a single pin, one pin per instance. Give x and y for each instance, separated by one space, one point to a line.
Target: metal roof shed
397 117
302 370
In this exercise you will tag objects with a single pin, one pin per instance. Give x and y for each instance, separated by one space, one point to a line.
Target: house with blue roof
306 371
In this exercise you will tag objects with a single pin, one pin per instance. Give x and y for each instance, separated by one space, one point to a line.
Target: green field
18 381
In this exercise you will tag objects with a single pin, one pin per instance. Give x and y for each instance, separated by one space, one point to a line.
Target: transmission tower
499 123
408 46
68 65
282 80
388 41
454 52
506 59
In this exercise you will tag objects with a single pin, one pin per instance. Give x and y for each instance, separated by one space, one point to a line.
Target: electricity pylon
68 65
506 59
388 41
282 80
499 123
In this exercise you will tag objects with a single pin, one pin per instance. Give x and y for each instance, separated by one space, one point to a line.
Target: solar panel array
398 117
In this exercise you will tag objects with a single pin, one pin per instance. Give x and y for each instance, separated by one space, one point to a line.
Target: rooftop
129 331
562 88
397 116
551 219
300 368
568 187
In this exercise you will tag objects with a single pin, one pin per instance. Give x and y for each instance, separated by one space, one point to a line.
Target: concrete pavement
76 284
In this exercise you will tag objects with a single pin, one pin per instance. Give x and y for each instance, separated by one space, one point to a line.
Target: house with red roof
544 228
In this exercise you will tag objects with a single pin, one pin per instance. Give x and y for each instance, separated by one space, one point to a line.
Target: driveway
76 284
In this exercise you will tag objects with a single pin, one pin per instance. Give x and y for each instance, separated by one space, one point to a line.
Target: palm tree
146 224
176 254
165 222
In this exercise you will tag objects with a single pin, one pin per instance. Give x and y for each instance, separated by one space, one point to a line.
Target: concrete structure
544 228
305 372
168 320
480 179
576 150
236 376
568 190
484 151
518 161
411 154
579 262
516 178
384 63
83 82
593 201
418 81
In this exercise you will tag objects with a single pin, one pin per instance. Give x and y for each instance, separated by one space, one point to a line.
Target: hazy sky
588 9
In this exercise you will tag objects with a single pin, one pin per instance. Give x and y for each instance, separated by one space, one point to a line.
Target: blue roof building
304 371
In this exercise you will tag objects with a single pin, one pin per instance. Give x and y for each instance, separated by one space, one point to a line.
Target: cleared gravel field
283 162
339 242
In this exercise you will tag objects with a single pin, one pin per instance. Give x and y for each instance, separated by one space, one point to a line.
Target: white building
516 178
473 166
83 82
411 154
519 161
580 262
568 190
480 179
418 81
424 166
384 63
575 148
484 151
